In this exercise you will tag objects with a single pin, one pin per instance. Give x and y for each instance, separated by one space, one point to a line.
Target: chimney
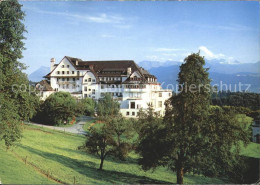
77 63
52 63
129 71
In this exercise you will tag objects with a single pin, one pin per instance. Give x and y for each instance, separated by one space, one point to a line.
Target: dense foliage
110 138
238 99
17 102
107 107
86 107
193 137
57 109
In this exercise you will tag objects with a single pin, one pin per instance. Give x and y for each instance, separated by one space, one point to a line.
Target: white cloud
95 18
209 54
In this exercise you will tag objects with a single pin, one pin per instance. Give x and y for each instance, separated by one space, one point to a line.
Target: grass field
52 157
252 150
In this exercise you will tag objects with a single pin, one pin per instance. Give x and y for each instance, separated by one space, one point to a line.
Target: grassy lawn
88 124
252 150
55 153
13 170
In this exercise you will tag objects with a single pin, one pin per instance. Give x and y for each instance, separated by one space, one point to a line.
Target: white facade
132 86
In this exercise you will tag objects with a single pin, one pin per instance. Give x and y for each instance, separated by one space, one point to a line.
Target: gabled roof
107 67
44 86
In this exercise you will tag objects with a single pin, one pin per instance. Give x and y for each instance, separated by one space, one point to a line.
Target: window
63 79
86 80
78 73
85 88
63 72
132 105
93 91
68 66
159 103
160 94
89 89
62 66
112 86
73 72
170 94
89 79
102 86
68 79
68 86
58 72
93 80
127 113
85 95
133 113
74 79
68 72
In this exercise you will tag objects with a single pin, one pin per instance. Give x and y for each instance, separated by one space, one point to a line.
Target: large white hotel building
132 86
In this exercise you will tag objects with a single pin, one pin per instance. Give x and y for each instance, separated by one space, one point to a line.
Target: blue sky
157 31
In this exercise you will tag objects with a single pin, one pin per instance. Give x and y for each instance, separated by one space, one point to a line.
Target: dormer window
73 72
89 79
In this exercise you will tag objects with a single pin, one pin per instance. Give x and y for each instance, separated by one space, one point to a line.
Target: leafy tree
86 107
15 100
193 137
58 108
100 141
123 136
107 107
112 138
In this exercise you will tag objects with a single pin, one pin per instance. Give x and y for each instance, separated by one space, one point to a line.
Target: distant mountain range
225 76
167 72
219 66
37 75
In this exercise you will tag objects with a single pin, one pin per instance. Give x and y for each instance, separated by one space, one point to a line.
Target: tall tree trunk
101 163
179 175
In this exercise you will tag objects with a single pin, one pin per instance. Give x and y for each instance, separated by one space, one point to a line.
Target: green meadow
46 156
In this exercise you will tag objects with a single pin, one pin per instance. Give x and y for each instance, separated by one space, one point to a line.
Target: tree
100 142
86 107
14 102
123 136
107 107
58 108
191 133
111 138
